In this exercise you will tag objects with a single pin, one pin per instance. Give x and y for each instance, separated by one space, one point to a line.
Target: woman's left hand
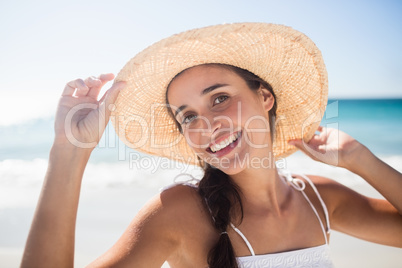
331 146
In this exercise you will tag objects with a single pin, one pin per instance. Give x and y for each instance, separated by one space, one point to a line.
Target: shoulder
338 198
326 185
181 198
160 230
173 200
330 188
174 215
331 191
177 208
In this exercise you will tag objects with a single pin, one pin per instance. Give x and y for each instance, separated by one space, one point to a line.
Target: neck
262 190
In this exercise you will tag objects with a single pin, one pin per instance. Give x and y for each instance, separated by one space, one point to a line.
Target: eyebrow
211 88
204 92
181 108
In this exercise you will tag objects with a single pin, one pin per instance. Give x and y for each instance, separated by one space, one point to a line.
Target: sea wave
154 171
299 163
21 180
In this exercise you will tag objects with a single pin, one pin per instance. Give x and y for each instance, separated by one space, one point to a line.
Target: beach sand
105 212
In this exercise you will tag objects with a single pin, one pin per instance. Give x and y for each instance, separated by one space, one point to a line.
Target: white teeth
217 147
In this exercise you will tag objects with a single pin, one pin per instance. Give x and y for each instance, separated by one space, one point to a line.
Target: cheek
194 138
231 117
197 134
256 125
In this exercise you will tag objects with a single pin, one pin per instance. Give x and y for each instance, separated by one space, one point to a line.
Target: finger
108 99
78 86
296 143
92 81
301 145
106 77
305 148
100 82
322 148
315 138
94 84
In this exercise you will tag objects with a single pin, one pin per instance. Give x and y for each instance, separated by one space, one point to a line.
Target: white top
309 257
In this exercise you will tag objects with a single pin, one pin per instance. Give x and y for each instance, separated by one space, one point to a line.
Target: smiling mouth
225 143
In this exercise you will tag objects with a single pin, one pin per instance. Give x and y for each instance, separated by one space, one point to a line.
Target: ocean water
24 149
377 123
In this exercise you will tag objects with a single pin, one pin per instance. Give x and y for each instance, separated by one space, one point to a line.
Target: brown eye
187 119
220 99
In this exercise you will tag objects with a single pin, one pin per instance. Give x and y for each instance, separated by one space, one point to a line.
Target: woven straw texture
282 56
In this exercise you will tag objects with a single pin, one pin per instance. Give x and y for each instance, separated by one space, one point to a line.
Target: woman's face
223 120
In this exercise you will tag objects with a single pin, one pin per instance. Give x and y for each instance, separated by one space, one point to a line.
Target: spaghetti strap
192 185
300 185
324 207
192 182
250 248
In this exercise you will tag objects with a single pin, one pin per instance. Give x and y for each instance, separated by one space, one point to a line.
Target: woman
231 98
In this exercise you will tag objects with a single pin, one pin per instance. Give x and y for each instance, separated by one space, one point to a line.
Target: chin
241 162
232 165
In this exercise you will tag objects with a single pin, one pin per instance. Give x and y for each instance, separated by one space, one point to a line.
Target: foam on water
21 180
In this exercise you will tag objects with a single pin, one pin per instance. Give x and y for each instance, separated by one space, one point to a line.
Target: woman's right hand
80 118
79 123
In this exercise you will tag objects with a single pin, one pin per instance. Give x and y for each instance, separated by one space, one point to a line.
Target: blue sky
45 44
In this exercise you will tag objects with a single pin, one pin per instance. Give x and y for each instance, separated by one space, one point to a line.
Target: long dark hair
221 194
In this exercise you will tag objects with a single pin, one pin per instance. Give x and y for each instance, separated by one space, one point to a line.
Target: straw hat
282 56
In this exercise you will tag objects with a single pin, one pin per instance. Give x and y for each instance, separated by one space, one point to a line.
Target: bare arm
371 219
378 174
51 238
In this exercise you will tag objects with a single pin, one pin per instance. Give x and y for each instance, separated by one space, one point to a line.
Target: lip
228 148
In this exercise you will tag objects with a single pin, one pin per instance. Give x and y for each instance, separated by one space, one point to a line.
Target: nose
207 125
215 125
211 125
